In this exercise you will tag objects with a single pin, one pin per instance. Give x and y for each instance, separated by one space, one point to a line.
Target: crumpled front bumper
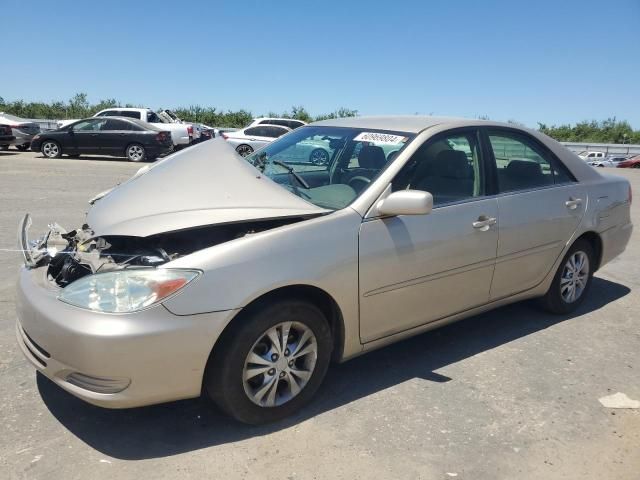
157 356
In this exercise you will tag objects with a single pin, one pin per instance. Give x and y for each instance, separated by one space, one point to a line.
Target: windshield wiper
293 173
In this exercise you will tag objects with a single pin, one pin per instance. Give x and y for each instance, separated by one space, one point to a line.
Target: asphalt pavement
510 394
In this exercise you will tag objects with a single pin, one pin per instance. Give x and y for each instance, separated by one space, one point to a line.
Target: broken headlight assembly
126 291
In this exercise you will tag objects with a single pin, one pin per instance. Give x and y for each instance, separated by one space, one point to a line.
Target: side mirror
406 202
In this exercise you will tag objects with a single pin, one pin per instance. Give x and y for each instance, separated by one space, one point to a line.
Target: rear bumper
8 140
154 355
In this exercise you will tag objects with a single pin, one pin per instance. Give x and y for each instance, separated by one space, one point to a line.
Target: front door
418 269
86 137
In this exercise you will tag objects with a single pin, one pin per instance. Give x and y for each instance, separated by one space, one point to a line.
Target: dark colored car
633 162
6 136
114 136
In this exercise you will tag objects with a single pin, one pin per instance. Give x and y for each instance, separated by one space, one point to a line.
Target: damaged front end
71 255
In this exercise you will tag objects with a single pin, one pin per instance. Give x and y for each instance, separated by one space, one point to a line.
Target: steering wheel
356 179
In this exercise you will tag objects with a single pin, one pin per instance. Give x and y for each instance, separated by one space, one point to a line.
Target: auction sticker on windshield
380 138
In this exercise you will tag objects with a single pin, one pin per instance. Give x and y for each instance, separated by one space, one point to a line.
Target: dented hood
203 185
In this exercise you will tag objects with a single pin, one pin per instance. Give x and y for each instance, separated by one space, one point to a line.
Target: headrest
371 157
523 169
451 164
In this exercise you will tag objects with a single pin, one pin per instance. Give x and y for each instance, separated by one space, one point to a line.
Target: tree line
79 107
610 130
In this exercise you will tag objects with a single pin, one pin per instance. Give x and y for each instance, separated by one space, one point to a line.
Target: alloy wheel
244 150
51 149
280 364
319 157
135 153
575 276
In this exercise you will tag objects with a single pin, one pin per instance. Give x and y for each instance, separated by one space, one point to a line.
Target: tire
240 398
558 299
319 156
637 165
135 153
51 149
24 147
4 147
244 150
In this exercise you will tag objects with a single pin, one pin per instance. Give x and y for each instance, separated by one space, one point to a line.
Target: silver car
249 139
245 278
23 130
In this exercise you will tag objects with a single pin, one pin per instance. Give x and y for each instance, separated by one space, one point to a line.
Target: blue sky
538 60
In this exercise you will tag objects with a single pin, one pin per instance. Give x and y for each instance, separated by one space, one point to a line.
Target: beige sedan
245 278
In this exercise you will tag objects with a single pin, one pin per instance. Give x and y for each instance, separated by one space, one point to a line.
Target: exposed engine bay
77 253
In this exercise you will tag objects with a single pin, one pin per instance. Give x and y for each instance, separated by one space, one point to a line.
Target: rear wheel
244 150
319 156
4 147
272 363
572 280
637 165
135 152
51 149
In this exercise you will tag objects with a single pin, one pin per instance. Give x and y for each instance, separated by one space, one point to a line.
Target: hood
203 185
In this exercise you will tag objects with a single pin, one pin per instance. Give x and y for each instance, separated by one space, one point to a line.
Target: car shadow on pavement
178 427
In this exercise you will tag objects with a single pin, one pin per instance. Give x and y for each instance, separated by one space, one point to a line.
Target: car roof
140 123
269 125
125 109
409 123
279 118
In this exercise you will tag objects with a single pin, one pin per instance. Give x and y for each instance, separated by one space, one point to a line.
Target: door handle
573 203
484 223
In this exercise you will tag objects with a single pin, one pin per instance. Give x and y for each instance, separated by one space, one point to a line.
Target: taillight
224 136
630 195
190 130
162 136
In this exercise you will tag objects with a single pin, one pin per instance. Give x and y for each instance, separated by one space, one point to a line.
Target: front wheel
135 152
572 280
244 150
51 149
271 364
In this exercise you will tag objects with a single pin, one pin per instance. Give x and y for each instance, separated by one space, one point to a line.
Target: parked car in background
591 155
283 122
22 129
6 137
249 139
114 136
181 134
633 162
611 161
243 280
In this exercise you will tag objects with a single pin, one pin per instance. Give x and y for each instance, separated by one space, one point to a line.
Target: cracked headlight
125 291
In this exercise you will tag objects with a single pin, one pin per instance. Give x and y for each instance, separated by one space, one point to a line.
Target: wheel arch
595 241
312 294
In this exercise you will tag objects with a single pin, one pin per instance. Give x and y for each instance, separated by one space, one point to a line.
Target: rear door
540 207
115 135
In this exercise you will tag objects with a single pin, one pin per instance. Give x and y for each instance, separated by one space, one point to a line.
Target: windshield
329 166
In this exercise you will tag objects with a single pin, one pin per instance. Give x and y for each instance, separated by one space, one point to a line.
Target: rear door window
522 164
129 114
273 132
115 124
